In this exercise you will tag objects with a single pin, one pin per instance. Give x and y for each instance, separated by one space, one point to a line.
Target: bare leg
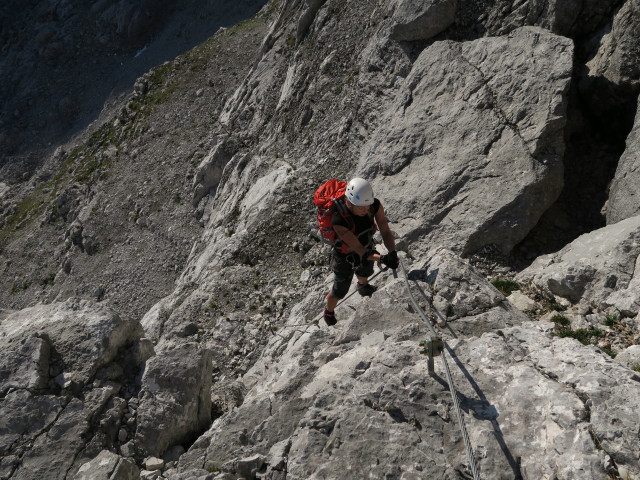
331 302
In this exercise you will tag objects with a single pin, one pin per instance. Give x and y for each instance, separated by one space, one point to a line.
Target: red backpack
325 199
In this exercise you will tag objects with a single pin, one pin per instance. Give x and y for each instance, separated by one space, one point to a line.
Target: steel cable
454 395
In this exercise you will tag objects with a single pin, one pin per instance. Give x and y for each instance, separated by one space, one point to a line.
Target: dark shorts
343 272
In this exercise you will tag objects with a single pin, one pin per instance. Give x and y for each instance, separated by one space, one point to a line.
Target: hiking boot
366 290
330 317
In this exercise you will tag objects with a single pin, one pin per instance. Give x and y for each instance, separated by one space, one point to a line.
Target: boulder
26 416
629 357
83 334
56 447
25 364
175 400
522 302
624 199
108 466
617 58
419 20
597 269
476 136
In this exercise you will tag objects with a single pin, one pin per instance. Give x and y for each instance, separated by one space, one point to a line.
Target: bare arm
385 231
348 237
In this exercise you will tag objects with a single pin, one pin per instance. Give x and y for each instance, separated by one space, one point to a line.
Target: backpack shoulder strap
342 209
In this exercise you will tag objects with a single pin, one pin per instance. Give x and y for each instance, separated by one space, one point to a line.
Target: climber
354 252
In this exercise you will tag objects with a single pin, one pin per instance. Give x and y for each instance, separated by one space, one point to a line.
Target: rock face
66 370
459 294
81 337
175 401
617 59
599 270
415 20
324 401
624 201
107 466
481 153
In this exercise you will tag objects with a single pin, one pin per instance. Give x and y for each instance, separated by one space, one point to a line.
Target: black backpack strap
342 209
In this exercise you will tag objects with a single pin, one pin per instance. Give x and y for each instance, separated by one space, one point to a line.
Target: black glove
390 260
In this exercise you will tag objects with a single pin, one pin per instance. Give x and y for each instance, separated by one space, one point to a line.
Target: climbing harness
433 348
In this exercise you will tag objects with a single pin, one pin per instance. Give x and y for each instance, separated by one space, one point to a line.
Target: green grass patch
636 368
561 320
611 321
19 287
583 335
27 210
608 351
506 286
49 280
556 307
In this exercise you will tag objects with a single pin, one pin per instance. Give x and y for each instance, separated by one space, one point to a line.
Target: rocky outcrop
599 270
78 336
570 18
320 399
481 155
108 466
175 400
624 200
617 58
457 293
414 20
67 370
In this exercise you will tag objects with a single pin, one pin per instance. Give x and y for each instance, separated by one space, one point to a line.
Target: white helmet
359 192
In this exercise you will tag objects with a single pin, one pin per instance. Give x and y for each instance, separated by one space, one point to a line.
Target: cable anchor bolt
432 348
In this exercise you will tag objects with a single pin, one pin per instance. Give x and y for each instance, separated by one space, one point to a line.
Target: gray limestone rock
175 401
26 416
563 17
108 466
630 357
460 295
624 199
56 384
307 17
55 449
567 396
209 171
468 155
325 401
618 59
419 20
85 335
598 269
25 364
